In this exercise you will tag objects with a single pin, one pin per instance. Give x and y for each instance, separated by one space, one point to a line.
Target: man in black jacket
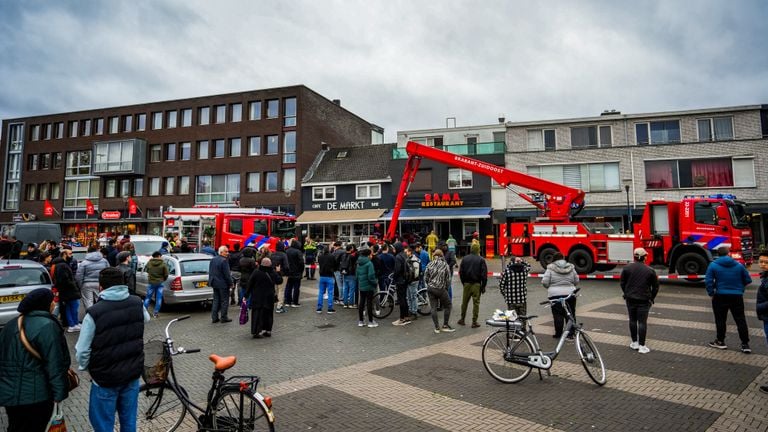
220 280
473 273
640 286
401 282
295 273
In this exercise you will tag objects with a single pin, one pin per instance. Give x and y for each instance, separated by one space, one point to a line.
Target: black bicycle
233 404
385 300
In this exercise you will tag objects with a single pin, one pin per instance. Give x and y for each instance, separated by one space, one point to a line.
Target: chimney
501 118
337 102
324 146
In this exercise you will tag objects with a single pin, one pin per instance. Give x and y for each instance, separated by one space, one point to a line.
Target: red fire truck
227 226
678 234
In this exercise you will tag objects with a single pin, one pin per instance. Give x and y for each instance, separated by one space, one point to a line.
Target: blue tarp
441 213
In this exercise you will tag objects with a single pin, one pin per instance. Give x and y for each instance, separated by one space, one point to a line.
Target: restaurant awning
441 213
339 216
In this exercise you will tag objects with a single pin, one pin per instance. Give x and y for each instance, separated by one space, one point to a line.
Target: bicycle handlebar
561 299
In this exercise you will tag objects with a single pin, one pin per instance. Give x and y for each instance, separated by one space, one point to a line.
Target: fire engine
679 235
227 226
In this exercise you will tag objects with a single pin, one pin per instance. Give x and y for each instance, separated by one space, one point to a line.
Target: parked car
79 252
17 279
146 244
187 280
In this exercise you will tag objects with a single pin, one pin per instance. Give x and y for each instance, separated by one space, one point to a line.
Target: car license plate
203 284
11 298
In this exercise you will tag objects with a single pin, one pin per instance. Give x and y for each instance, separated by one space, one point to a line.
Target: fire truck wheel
691 263
546 256
582 261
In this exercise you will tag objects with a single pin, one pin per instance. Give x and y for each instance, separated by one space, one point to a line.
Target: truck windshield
283 228
738 215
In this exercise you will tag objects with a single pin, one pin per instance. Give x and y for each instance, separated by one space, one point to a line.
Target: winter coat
366 275
727 276
762 297
234 261
247 267
64 280
473 269
129 276
295 262
639 282
348 263
157 271
24 379
208 250
219 275
261 288
328 265
387 263
437 275
401 260
112 256
89 269
560 278
279 257
514 282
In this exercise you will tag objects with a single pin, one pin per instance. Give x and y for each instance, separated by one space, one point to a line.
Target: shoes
475 325
360 324
746 349
718 344
338 302
437 331
397 322
634 345
295 305
280 310
226 320
439 309
642 349
319 310
214 321
155 315
414 317
460 322
73 329
331 311
401 322
447 329
373 324
256 336
764 388
267 334
571 336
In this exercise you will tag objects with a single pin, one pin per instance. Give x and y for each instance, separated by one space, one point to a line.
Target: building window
289 147
56 160
715 129
271 181
236 109
221 113
32 162
660 132
184 185
170 152
34 134
141 122
254 146
272 144
114 123
217 189
55 189
700 173
78 163
172 118
42 191
87 127
73 127
459 178
289 117
254 182
59 130
368 192
186 151
202 150
113 156
596 177
30 192
235 147
76 192
169 185
469 228
110 188
125 187
273 106
186 117
203 115
154 186
47 130
591 137
14 167
289 179
11 196
323 193
218 148
157 120
45 161
99 126
127 123
155 152
254 110
138 187
541 139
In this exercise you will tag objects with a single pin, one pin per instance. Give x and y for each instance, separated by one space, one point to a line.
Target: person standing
29 386
451 243
87 276
247 267
473 273
400 278
415 277
348 267
726 279
124 265
431 243
310 257
111 349
560 280
112 252
295 273
762 300
327 264
514 285
437 278
387 267
640 286
280 263
207 248
450 259
157 273
366 283
69 294
234 269
220 279
33 253
337 252
134 261
261 291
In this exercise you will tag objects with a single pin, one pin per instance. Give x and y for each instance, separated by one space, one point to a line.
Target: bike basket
156 362
513 325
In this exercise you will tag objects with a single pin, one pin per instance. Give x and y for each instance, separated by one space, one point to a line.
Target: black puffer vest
117 350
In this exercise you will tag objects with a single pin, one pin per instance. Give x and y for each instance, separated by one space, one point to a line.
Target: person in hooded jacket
514 285
87 276
247 266
365 275
560 280
280 264
387 267
295 273
400 279
261 292
69 294
348 267
726 279
33 253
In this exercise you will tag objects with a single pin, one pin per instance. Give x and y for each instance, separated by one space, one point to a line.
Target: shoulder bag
72 379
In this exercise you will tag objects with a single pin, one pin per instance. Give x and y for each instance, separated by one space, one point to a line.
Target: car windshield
22 277
195 267
147 247
738 215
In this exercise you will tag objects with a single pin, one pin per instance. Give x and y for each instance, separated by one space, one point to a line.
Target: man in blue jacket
726 280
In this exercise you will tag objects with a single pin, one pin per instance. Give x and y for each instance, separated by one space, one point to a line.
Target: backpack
412 268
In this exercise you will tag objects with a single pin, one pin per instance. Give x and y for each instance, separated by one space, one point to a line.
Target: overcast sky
400 64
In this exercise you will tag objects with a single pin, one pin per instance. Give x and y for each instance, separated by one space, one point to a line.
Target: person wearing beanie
640 286
29 386
473 273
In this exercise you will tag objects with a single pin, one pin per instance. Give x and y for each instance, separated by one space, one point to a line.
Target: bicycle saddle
222 363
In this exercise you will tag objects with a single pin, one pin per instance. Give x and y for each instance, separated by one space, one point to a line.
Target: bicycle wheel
590 358
498 348
383 305
228 410
423 301
160 408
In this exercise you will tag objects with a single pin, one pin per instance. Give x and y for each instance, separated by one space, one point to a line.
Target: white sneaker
634 345
643 349
360 324
73 329
373 324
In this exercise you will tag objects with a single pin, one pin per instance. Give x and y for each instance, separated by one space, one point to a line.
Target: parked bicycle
233 404
385 300
510 353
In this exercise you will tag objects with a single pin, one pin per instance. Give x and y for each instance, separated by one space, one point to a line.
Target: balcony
479 149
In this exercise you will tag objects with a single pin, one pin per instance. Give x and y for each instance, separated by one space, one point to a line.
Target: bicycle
384 301
510 353
233 404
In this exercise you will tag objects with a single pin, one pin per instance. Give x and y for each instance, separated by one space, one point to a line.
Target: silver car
17 279
187 278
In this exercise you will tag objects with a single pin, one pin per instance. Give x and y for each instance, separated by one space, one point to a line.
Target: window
254 110
157 120
203 115
114 123
202 150
78 163
169 185
186 151
459 178
155 151
235 226
469 228
87 127
127 123
289 147
55 189
273 106
30 192
76 192
272 144
42 191
73 128
705 213
45 161
172 118
99 126
186 117
217 189
271 183
184 185
218 148
221 113
235 147
700 173
431 141
59 130
14 166
34 134
591 137
660 132
138 187
289 116
236 109
110 188
254 146
289 179
170 152
11 196
715 129
323 193
113 156
254 182
595 177
56 160
541 139
368 192
125 187
141 122
154 186
47 130
32 162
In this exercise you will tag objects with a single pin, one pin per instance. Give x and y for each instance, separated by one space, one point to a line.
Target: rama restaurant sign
442 200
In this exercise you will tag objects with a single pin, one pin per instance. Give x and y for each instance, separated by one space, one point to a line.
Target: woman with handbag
34 364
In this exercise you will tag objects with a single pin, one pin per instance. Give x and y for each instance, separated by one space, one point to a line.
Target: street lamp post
629 210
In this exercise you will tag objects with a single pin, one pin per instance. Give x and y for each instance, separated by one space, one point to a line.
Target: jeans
350 287
721 304
413 300
71 308
153 289
559 316
106 400
220 303
471 291
441 297
292 288
638 320
765 329
325 287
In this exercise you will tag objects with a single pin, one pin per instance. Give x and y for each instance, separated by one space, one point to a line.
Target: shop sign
24 217
345 205
110 215
442 200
